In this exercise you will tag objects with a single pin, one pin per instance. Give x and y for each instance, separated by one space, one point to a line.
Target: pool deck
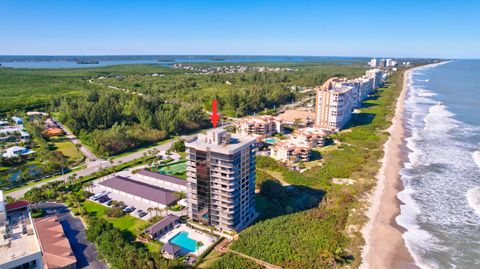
194 234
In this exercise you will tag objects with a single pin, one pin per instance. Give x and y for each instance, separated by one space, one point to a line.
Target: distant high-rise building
373 63
382 63
221 179
389 62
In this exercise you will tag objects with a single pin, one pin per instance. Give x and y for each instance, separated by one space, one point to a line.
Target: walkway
223 247
260 262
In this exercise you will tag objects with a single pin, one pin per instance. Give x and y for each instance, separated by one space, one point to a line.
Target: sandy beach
385 246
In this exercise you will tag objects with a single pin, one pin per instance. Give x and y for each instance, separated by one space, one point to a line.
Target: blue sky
416 28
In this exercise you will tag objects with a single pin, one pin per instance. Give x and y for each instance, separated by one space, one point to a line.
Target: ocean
441 176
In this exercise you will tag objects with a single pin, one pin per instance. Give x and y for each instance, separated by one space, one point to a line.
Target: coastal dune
385 246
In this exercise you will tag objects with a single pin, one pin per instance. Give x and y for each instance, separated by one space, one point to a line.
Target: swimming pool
182 240
271 140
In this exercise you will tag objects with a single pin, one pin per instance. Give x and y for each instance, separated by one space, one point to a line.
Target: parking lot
139 205
128 201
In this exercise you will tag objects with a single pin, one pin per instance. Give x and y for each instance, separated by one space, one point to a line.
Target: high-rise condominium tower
221 180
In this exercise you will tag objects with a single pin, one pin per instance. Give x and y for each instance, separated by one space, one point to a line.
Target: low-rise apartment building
291 151
56 250
19 245
259 126
313 136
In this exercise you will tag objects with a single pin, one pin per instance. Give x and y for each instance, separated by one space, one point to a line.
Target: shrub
37 213
179 146
114 212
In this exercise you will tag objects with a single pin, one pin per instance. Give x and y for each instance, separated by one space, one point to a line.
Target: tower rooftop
221 141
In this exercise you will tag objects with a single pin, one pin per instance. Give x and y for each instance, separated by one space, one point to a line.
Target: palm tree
149 210
74 177
157 210
89 186
198 244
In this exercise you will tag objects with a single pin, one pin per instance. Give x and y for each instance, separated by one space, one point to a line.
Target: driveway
84 250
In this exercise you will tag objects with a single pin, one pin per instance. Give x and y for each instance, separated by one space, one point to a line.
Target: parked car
98 195
109 202
129 209
141 213
103 199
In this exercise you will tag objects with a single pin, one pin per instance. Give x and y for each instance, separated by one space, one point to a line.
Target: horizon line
228 55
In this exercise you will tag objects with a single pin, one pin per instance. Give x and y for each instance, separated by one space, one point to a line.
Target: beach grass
333 227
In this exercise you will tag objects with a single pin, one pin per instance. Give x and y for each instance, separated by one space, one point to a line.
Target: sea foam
476 158
436 177
473 198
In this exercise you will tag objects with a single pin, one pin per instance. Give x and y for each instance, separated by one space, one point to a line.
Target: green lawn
126 222
67 148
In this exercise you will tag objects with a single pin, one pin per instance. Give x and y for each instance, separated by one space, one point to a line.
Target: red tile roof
56 250
16 205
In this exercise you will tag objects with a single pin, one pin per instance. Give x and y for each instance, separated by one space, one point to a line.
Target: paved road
100 164
92 169
90 158
84 250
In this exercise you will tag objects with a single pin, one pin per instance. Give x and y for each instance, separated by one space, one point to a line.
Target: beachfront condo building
259 126
377 75
313 136
291 151
334 105
221 179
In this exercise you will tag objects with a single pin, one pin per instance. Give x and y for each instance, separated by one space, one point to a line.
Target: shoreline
384 245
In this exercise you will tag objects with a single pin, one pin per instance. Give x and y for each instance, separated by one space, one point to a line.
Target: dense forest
238 94
117 108
112 122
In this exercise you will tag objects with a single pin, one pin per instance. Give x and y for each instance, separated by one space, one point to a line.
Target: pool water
182 240
271 140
